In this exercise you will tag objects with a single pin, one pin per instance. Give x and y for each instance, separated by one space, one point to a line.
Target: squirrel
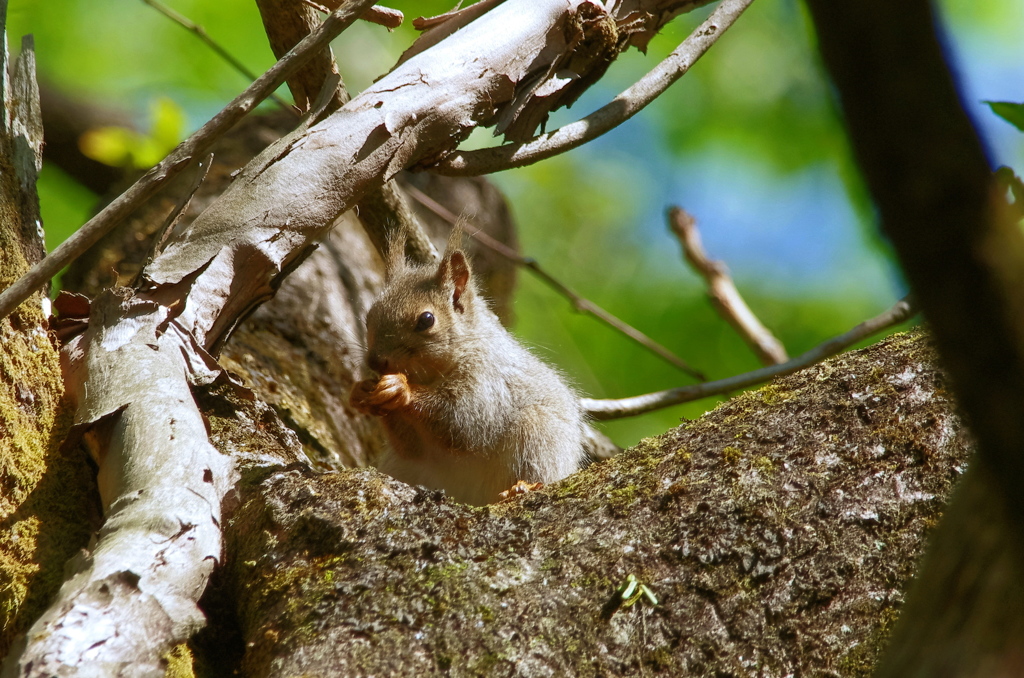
467 409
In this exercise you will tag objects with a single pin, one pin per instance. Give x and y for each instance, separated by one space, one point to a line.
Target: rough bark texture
777 533
501 69
46 504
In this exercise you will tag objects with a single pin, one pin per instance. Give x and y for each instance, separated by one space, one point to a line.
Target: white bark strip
134 596
421 110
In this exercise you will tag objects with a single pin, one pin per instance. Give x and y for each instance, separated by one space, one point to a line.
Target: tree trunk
47 505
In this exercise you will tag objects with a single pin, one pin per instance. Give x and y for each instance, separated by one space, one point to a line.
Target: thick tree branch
776 533
134 595
629 407
622 108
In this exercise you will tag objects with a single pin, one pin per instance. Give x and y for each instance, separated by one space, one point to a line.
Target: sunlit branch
723 293
180 157
621 108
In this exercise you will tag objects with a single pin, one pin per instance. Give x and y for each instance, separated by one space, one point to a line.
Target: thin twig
629 407
179 158
621 108
200 32
579 303
382 16
723 293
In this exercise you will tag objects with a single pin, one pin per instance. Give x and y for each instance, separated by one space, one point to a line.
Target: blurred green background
749 142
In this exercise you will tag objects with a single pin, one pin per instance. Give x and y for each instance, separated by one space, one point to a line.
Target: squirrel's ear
454 271
455 237
394 257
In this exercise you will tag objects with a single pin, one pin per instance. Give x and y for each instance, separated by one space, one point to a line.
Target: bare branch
629 407
579 303
179 158
286 23
621 108
382 16
723 293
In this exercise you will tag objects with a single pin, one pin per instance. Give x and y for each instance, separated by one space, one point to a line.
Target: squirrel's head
424 317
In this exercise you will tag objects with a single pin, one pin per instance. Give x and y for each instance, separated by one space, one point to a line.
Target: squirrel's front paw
377 397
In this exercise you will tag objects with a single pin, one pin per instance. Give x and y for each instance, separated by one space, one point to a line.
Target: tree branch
621 108
773 546
179 158
383 209
723 293
382 16
162 485
629 407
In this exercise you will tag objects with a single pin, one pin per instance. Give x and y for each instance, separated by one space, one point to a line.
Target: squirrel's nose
377 363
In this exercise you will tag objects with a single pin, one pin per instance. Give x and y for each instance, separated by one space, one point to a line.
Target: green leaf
123 147
168 125
1008 111
115 146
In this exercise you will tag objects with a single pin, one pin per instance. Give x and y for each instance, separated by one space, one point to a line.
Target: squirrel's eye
425 321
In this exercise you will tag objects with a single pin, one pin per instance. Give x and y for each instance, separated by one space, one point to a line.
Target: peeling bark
133 596
301 351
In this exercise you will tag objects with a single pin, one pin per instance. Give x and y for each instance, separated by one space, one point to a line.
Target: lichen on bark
44 493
